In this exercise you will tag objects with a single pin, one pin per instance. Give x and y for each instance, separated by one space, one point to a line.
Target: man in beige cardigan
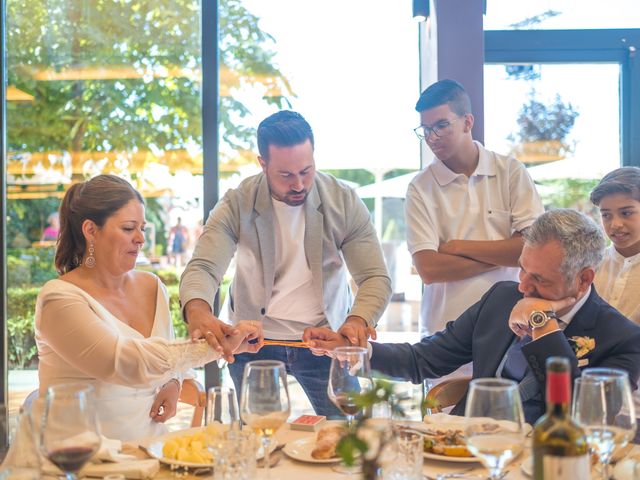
296 232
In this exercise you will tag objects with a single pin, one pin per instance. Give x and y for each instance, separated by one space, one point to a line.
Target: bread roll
327 440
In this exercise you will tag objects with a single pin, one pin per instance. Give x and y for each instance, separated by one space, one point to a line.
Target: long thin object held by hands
286 343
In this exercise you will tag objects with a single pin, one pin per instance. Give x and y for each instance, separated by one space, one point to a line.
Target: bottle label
558 387
566 468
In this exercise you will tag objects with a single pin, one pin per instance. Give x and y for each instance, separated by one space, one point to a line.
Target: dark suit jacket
482 335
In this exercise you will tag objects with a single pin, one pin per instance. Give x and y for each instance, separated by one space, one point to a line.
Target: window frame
581 46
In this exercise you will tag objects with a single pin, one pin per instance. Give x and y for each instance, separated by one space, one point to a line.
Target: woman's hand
166 402
246 331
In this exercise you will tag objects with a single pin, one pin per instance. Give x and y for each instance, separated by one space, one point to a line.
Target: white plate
527 466
301 450
455 425
154 448
445 458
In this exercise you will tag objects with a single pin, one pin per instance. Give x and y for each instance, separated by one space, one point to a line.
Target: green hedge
20 322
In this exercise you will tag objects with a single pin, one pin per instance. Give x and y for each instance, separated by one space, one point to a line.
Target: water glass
604 407
497 402
222 407
234 455
403 457
4 432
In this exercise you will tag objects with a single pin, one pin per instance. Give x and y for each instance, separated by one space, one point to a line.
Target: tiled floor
398 324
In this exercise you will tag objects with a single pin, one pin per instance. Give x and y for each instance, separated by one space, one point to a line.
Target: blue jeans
311 372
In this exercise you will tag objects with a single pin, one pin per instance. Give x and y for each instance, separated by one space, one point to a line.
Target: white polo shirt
498 200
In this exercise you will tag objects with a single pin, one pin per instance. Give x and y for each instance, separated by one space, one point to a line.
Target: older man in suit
296 233
515 327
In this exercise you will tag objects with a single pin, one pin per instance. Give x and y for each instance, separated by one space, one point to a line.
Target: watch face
537 319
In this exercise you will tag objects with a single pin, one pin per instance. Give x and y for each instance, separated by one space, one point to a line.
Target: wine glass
495 421
264 401
604 407
349 376
70 433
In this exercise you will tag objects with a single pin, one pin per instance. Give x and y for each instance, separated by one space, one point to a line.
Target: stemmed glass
349 376
604 407
222 407
70 433
264 401
495 422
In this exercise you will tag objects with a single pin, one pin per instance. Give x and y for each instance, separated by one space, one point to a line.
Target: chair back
192 393
447 393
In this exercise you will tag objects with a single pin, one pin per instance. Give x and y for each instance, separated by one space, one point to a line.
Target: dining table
289 469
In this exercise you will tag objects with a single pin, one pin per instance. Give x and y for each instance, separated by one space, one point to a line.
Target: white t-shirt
618 282
498 200
294 304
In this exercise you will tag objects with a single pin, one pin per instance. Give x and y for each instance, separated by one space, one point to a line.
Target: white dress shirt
618 282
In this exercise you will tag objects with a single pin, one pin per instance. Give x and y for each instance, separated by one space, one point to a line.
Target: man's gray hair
581 238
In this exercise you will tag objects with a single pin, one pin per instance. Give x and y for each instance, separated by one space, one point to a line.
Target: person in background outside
107 325
50 233
178 241
618 278
296 232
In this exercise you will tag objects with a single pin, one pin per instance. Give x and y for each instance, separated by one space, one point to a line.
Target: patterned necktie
515 365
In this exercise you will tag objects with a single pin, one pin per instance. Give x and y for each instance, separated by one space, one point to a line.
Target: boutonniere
582 345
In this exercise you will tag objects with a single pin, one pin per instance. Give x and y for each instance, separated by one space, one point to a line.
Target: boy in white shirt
618 278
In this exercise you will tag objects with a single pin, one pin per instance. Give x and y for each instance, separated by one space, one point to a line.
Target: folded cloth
135 469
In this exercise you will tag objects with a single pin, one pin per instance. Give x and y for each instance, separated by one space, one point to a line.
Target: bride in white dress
103 323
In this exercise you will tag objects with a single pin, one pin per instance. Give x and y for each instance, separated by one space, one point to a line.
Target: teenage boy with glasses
465 211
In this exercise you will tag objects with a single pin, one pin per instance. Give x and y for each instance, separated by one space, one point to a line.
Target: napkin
110 451
624 470
134 469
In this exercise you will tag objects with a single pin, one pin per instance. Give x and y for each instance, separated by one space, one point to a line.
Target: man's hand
323 340
519 318
247 330
356 330
203 324
166 401
450 247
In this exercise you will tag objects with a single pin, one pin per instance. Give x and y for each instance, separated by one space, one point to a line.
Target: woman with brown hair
104 323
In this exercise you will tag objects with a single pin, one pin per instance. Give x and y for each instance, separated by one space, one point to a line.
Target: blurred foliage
544 126
134 74
21 305
570 193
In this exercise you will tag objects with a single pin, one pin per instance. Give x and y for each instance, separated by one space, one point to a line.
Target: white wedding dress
80 341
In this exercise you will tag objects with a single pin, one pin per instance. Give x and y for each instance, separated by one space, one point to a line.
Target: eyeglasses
439 129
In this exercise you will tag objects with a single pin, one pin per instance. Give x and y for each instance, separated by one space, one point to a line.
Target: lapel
585 319
266 234
313 235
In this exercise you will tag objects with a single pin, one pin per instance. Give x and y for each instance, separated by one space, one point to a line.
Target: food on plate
191 448
449 442
327 440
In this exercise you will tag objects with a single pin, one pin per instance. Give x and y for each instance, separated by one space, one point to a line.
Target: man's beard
295 203
285 198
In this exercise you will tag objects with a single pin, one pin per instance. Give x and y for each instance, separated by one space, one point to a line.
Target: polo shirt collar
486 167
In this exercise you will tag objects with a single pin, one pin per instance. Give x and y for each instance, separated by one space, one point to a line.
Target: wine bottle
560 449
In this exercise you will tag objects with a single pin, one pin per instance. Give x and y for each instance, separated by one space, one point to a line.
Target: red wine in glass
70 432
71 459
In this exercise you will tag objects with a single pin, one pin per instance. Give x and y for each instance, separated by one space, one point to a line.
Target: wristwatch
539 318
